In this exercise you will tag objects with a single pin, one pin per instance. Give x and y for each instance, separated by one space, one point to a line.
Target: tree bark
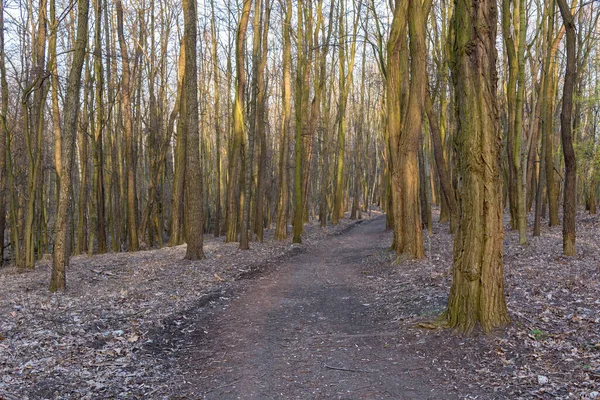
4 134
132 232
60 257
283 200
193 181
236 160
98 134
477 292
570 199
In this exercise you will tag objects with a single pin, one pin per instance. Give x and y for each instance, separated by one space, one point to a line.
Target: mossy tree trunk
405 114
477 292
234 201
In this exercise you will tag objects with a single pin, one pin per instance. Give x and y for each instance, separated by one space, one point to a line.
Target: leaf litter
92 341
551 350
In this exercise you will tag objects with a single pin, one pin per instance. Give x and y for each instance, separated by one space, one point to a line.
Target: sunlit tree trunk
346 61
217 119
405 114
260 123
321 57
235 167
71 111
548 117
283 193
477 292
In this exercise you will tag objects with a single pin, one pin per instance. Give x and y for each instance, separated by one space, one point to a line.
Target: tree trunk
570 199
177 201
282 203
245 235
3 134
217 119
236 160
193 181
60 256
440 163
132 232
477 292
406 124
98 134
260 123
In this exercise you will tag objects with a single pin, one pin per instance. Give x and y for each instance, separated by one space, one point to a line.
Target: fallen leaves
218 278
91 342
551 349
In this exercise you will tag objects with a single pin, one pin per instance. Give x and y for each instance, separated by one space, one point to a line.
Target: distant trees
216 120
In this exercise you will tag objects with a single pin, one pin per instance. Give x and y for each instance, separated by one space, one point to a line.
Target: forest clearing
299 199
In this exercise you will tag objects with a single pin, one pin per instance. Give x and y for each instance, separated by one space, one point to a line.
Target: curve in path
306 330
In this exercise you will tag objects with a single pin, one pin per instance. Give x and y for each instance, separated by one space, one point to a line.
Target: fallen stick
344 369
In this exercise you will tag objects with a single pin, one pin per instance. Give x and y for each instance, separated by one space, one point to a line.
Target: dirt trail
306 330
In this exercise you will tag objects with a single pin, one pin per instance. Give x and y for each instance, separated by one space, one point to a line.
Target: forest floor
331 318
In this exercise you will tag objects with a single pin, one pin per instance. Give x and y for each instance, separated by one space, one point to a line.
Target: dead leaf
133 339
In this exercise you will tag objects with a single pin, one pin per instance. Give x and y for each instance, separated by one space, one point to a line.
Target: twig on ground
344 369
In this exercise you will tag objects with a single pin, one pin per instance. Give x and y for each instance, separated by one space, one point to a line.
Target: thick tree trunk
405 124
193 181
477 292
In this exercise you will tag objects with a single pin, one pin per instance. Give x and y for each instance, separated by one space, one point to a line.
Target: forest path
306 330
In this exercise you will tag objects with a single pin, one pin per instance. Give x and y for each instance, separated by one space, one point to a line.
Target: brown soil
307 328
